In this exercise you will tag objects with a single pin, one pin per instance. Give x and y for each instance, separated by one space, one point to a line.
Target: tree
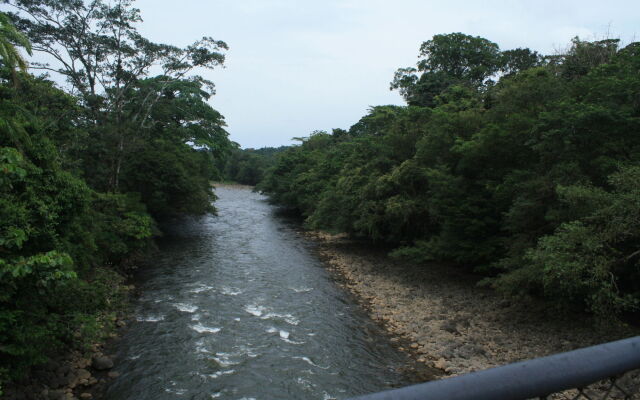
172 164
464 57
9 37
532 181
583 56
76 205
520 59
96 46
446 60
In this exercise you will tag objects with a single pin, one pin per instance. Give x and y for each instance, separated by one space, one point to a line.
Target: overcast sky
298 66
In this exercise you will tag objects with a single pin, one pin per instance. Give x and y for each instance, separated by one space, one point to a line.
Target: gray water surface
237 306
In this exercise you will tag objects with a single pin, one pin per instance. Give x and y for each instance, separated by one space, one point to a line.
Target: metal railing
606 371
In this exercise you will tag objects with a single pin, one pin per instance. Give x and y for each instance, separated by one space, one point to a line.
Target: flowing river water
238 306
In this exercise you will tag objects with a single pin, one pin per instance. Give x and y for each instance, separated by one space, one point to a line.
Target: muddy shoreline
445 321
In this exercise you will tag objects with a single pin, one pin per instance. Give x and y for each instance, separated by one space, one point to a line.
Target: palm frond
9 38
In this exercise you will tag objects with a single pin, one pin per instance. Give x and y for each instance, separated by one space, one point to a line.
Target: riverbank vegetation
247 166
521 167
87 172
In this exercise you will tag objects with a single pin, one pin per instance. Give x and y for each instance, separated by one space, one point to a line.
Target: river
238 306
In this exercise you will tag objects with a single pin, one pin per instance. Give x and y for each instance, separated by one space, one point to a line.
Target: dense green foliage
522 167
85 175
247 166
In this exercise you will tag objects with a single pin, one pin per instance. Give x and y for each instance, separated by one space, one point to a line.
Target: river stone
470 350
449 326
102 363
83 374
57 394
440 364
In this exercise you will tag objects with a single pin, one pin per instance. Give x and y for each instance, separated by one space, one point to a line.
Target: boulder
102 363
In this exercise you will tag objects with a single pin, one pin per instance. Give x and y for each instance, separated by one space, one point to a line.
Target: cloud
299 65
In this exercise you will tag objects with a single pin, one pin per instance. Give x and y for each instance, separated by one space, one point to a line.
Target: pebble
440 364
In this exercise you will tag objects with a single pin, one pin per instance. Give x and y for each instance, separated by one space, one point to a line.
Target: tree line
521 167
248 166
87 173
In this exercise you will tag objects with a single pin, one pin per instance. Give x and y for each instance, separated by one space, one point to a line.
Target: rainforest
518 169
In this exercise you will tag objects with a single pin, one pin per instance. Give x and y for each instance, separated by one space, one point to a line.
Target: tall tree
520 59
97 47
446 60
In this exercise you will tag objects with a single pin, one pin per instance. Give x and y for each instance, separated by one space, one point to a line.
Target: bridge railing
605 371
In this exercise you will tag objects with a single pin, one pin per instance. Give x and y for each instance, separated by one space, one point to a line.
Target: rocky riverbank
81 371
75 375
444 320
82 368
